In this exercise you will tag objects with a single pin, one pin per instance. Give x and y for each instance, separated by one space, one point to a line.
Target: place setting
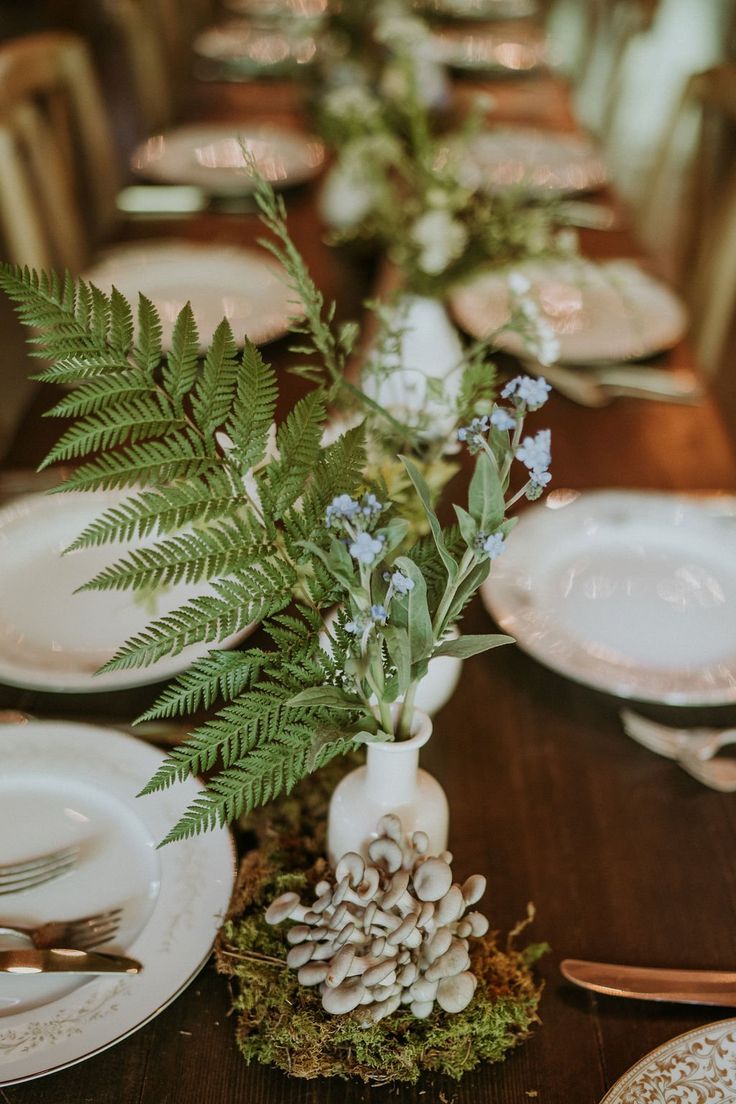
425 593
114 928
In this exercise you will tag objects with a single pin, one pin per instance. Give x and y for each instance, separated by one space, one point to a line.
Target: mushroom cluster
388 932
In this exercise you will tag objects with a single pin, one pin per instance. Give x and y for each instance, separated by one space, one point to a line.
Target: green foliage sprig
270 523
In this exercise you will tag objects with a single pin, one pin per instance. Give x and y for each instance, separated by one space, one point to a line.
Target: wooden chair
58 173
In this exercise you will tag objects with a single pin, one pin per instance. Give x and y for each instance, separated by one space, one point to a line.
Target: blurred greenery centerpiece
275 524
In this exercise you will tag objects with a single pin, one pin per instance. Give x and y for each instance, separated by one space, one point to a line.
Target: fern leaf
147 352
163 510
254 407
178 457
298 441
103 392
133 421
190 558
217 675
180 369
215 387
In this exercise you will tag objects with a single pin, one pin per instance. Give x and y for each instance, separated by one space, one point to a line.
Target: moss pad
282 1023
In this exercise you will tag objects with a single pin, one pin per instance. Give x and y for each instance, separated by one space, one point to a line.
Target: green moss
281 1023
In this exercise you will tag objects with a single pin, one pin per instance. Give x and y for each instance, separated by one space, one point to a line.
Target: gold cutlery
36 871
66 960
650 983
82 933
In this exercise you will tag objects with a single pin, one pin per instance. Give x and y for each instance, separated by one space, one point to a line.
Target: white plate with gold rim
631 592
54 640
698 1067
71 783
250 48
609 311
210 156
497 48
479 9
278 9
537 162
220 281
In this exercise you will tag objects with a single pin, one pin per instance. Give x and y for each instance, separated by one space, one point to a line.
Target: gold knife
650 983
65 960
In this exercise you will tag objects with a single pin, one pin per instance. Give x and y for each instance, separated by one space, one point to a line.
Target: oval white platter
54 640
210 156
502 48
608 311
219 281
535 161
248 47
63 783
479 9
698 1067
630 592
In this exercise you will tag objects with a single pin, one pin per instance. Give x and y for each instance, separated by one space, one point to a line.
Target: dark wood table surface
626 858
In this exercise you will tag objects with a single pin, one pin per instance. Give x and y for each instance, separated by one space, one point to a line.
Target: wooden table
625 857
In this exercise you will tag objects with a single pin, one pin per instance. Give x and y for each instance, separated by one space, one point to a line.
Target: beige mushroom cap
344 998
456 993
282 908
432 880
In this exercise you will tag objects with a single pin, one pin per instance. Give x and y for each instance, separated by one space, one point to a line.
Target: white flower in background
538 334
440 239
519 283
402 33
351 101
346 198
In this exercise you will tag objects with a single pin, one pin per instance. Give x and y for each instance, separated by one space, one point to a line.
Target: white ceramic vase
390 782
429 348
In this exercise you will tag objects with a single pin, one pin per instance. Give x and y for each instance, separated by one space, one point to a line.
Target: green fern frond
253 411
298 442
131 421
101 393
214 390
236 603
191 557
182 360
180 456
217 675
164 510
147 351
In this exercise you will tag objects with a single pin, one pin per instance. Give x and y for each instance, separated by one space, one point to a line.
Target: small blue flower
535 452
366 548
379 614
527 389
370 506
492 545
501 419
354 627
473 433
402 584
540 478
342 507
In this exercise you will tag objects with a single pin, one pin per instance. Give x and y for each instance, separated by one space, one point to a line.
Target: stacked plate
219 281
631 592
539 163
214 157
71 784
51 638
243 48
612 311
500 49
478 9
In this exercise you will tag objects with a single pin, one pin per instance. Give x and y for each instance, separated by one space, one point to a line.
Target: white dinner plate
698 1067
609 311
210 156
503 48
219 281
479 9
62 784
538 162
251 48
54 640
631 592
278 9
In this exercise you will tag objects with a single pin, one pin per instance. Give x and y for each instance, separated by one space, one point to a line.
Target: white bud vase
390 782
